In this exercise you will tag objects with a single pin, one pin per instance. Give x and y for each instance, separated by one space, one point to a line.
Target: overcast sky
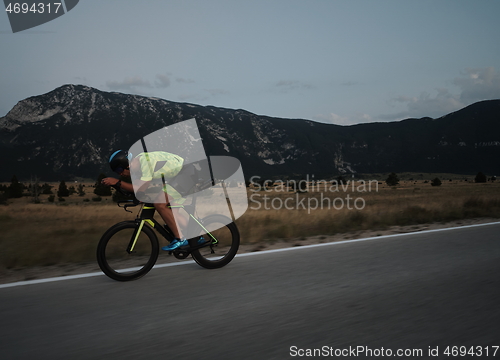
338 61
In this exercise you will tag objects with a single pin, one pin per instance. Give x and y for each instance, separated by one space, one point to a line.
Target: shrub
392 179
15 189
63 190
3 199
480 178
81 192
436 182
100 189
46 189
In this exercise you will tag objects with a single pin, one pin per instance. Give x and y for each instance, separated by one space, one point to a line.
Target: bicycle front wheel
123 254
224 239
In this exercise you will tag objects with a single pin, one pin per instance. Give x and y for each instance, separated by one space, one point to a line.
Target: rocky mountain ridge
70 132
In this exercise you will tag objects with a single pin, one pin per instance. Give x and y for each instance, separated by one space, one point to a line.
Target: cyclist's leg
172 218
167 215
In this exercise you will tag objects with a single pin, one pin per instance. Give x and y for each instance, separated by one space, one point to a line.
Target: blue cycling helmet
119 161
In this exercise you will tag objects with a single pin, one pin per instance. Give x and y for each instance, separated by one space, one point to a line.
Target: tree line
34 189
393 179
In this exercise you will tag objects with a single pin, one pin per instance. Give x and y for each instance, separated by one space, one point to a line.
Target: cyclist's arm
127 186
110 181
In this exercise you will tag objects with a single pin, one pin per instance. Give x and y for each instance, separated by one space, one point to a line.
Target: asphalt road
424 291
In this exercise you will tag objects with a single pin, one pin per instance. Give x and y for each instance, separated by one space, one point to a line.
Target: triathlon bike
129 249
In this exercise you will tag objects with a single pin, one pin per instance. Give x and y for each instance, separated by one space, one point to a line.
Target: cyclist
152 165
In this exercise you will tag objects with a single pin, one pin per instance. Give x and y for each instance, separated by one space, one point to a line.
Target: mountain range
70 132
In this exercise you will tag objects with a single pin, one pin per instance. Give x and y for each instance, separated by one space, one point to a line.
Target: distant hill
71 131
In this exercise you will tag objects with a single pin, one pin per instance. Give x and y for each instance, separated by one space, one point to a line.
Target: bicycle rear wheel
117 261
225 241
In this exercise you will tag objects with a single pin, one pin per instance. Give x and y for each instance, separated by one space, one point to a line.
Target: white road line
365 239
72 277
80 276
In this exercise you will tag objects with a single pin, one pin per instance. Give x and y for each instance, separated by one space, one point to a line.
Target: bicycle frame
137 241
146 216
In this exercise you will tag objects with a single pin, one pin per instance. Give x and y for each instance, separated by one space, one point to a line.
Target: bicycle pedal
181 254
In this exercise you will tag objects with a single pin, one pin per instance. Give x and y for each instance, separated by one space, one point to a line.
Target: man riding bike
152 166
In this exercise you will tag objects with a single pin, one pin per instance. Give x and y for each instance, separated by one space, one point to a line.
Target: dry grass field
68 232
410 203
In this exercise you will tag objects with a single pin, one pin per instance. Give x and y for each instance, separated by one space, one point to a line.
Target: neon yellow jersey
158 164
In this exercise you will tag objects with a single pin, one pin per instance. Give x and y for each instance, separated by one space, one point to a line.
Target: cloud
204 96
288 85
162 81
185 81
133 83
129 84
426 105
478 84
474 85
191 97
333 118
215 92
349 83
79 78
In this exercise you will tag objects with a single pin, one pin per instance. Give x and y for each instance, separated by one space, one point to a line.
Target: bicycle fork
135 235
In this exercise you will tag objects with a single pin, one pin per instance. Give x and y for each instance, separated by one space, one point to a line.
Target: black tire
225 250
116 262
